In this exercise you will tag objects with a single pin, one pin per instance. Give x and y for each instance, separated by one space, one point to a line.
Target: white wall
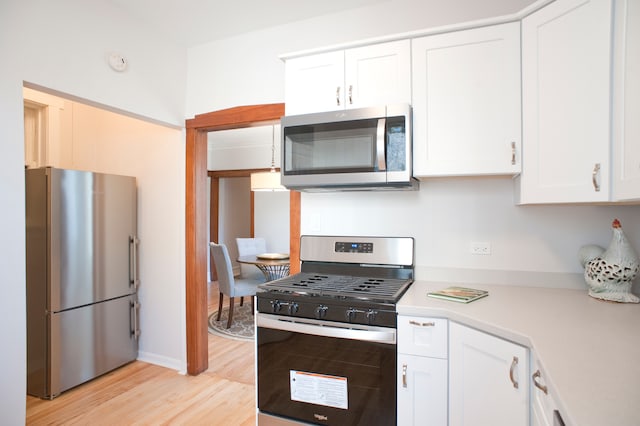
62 46
245 70
234 215
446 214
113 143
272 219
530 245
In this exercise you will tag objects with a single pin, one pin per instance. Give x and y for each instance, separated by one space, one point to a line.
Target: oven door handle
328 329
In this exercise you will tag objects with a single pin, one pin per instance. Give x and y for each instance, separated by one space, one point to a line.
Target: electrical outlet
482 248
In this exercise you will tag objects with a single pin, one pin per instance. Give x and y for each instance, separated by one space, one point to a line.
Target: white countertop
589 350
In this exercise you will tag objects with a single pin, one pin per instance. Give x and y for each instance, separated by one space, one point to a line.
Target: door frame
196 235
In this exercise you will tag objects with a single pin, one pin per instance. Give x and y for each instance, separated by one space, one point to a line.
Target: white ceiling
193 22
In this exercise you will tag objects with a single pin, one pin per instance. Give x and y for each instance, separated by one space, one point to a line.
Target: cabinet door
378 74
626 101
466 102
566 60
484 371
422 391
542 406
314 83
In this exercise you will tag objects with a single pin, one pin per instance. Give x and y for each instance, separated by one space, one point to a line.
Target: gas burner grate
386 289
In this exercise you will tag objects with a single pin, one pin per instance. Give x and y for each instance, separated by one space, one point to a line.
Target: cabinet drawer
423 336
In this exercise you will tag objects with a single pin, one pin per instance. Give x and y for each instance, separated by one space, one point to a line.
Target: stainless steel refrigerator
82 279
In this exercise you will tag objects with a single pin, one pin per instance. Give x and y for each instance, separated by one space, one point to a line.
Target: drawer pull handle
514 364
404 375
539 385
513 153
423 324
350 94
338 96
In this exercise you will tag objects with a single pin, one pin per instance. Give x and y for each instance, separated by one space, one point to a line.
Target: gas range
355 280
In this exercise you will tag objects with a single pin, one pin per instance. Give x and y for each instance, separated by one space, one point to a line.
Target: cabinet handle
350 94
514 364
513 153
594 177
422 324
404 375
540 386
338 96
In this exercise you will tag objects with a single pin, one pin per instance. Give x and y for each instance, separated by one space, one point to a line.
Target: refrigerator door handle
133 261
135 312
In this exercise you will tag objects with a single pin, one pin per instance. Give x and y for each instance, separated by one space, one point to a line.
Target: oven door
326 373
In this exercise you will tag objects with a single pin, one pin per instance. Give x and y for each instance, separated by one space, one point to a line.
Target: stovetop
387 290
356 280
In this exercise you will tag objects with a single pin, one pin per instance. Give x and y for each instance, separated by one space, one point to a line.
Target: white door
422 391
466 102
379 74
488 379
314 83
626 106
566 59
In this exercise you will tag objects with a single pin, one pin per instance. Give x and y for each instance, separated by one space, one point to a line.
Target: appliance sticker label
320 389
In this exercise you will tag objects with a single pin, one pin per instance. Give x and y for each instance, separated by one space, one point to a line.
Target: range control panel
348 247
357 249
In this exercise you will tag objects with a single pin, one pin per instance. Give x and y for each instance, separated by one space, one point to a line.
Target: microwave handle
380 158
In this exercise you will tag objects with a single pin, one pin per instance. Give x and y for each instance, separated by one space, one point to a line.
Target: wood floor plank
145 394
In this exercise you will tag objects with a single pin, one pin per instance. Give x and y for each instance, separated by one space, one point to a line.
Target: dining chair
229 285
249 246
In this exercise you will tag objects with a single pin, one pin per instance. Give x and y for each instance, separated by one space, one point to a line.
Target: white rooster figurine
610 273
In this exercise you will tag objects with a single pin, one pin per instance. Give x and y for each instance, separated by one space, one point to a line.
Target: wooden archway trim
196 235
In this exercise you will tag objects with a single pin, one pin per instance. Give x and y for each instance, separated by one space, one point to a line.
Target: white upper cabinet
378 74
372 75
244 148
626 101
314 83
466 102
566 63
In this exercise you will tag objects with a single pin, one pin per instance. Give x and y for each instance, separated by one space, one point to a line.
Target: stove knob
371 316
293 308
321 311
351 314
276 306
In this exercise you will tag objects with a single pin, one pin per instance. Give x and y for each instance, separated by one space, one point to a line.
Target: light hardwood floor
145 394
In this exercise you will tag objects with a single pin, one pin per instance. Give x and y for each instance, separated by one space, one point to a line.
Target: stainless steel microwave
357 149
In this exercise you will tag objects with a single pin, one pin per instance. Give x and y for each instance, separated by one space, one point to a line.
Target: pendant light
268 181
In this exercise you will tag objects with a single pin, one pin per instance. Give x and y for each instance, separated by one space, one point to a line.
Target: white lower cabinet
422 371
422 390
488 379
544 409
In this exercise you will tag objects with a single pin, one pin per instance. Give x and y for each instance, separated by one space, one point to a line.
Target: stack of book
459 294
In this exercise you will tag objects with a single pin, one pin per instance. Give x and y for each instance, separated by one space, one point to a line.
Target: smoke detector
117 62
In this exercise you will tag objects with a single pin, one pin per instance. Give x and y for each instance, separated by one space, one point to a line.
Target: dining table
273 265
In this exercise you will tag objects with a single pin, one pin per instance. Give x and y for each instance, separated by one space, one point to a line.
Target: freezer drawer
84 343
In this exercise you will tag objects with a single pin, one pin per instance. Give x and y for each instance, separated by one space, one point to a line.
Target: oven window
362 372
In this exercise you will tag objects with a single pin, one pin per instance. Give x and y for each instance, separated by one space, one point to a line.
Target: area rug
242 326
